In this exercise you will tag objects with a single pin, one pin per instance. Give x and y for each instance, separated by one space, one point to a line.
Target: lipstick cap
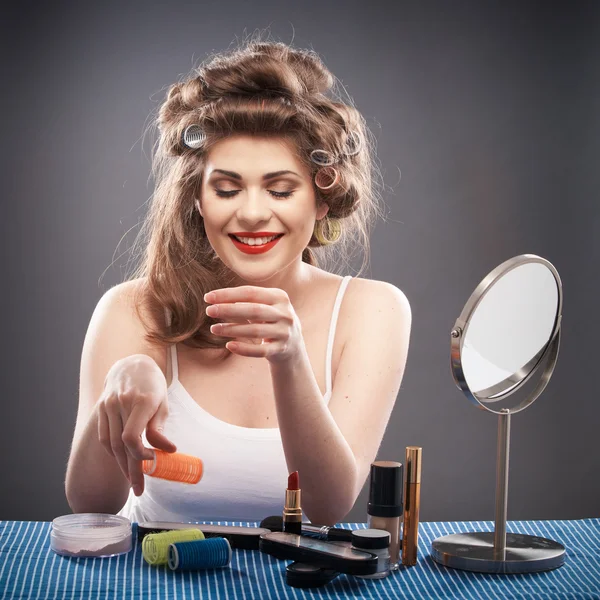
385 490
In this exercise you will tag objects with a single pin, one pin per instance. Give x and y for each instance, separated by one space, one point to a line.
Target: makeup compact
337 556
303 575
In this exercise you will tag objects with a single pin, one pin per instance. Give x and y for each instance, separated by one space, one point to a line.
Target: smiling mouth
267 244
255 242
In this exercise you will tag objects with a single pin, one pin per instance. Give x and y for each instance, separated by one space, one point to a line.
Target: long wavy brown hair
262 88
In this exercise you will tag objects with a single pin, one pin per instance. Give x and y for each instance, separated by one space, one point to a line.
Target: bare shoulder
117 306
359 290
116 321
121 297
365 301
370 296
369 311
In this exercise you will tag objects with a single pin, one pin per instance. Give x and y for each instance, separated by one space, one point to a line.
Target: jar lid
371 538
91 526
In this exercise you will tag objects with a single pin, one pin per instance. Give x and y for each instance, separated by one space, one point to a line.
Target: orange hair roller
174 466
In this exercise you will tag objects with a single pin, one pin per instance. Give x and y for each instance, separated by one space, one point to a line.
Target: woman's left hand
262 320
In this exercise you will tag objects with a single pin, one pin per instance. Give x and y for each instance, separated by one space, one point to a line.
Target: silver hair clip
352 146
353 143
322 158
194 137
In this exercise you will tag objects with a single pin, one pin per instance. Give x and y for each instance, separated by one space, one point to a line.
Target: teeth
255 241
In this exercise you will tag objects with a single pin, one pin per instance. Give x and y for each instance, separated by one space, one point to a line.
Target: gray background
488 110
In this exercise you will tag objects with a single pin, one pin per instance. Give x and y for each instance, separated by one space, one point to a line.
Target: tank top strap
332 328
172 352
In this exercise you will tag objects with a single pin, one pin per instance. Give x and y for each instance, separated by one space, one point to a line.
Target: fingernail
136 490
209 297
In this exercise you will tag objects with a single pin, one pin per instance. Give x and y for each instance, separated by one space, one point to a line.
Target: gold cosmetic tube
412 501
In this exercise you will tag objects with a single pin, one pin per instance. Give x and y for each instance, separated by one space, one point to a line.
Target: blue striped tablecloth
29 569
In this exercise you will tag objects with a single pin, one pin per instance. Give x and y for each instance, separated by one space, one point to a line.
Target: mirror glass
509 329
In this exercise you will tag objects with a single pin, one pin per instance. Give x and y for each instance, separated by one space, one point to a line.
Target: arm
333 446
94 481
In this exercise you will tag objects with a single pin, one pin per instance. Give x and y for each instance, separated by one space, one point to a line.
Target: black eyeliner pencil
321 532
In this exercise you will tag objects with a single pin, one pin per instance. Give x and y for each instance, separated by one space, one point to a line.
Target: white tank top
245 473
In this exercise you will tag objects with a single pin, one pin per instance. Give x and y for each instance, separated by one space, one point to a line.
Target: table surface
30 569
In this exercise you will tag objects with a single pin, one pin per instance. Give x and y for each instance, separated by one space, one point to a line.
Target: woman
230 343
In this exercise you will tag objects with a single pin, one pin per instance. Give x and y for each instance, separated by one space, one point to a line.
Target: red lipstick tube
292 511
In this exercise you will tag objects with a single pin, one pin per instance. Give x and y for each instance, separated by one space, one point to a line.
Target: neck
294 280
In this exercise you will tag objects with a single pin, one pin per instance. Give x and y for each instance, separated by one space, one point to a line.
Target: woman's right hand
134 398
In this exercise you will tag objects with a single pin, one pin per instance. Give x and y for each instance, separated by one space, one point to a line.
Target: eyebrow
265 177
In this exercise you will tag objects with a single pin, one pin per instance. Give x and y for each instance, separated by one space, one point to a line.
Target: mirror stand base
475 552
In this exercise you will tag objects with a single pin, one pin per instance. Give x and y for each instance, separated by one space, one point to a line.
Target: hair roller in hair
353 143
322 158
326 178
194 137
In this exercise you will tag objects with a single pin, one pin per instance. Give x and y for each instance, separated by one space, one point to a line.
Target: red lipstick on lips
292 512
254 249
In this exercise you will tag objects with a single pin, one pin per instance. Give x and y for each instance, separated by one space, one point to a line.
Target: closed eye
230 193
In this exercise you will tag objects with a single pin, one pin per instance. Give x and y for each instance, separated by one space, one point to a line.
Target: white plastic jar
91 534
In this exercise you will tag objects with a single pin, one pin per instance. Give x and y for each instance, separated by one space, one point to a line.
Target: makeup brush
322 532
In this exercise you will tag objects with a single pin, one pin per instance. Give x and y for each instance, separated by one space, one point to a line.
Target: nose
254 208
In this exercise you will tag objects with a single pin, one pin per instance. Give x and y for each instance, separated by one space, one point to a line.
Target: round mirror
506 329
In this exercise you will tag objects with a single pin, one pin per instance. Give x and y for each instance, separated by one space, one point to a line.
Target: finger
140 418
135 423
244 311
254 330
248 293
116 432
250 350
104 430
136 475
155 428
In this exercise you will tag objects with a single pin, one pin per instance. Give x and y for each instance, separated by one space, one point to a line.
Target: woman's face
257 185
